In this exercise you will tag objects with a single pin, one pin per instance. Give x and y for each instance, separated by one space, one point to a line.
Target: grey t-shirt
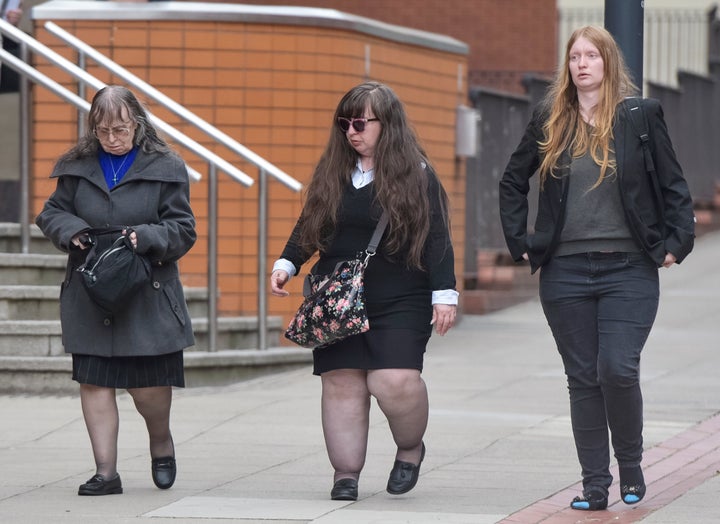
595 220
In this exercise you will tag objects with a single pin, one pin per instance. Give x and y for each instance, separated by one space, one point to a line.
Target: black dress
398 299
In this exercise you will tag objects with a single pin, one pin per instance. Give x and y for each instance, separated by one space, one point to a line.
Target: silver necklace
119 168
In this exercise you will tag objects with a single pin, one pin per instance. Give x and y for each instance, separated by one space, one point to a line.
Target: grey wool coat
153 198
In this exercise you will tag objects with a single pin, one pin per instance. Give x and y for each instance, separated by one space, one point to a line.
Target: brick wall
507 38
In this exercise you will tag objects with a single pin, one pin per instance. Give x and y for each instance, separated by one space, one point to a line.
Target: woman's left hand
132 237
443 317
669 260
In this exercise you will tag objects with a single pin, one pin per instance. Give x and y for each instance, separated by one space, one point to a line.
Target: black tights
100 411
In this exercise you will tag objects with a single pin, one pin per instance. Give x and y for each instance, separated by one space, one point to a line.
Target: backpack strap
638 121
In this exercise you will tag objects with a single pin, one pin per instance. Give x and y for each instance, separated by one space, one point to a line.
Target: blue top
115 166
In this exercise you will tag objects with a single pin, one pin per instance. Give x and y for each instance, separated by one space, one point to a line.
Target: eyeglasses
357 123
104 133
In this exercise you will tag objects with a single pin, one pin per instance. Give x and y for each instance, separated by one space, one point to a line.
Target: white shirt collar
362 178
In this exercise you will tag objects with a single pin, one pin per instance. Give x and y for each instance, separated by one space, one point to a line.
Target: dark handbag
334 305
115 274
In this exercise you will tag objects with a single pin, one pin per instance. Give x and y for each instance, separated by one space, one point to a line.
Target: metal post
24 154
262 259
82 92
212 258
624 20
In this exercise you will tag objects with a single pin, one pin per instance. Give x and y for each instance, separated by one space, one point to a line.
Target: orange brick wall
507 38
274 89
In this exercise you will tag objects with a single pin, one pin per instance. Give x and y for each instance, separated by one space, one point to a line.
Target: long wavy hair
107 105
400 179
564 128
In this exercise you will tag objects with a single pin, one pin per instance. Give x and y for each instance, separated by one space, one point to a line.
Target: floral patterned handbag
334 305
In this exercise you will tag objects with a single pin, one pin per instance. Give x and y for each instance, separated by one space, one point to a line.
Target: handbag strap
638 121
376 236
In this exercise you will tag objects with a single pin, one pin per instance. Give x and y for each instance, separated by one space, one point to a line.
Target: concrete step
29 302
32 269
52 375
41 302
32 357
43 338
10 241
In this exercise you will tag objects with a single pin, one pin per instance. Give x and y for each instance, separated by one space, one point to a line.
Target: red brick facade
507 38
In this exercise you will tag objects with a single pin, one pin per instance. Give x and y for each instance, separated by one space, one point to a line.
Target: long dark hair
400 179
107 104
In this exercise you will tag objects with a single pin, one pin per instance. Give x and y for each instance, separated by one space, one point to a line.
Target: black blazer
636 188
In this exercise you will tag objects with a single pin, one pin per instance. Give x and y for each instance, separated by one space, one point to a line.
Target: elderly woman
121 173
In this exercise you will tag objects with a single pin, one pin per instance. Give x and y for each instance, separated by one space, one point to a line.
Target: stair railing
214 161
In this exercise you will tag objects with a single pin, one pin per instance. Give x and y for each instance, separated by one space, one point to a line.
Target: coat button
156 284
106 321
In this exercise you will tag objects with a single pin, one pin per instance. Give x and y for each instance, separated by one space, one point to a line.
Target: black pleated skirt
129 372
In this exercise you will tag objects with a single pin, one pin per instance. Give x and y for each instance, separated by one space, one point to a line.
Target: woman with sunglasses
122 173
374 163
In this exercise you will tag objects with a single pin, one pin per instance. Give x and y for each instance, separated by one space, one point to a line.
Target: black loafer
97 485
404 475
164 470
345 489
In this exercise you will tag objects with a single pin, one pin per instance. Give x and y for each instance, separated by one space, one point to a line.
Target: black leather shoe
404 475
345 489
164 470
97 485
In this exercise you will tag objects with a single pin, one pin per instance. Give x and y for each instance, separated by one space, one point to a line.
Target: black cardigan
356 223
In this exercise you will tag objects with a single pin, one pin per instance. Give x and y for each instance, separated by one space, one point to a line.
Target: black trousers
601 307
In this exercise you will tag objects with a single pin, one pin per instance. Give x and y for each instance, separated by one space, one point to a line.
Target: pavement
499 444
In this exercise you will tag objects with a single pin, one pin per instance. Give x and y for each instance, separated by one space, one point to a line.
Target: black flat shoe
592 500
97 485
632 484
345 489
404 475
164 470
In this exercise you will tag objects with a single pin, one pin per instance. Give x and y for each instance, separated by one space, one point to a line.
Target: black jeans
601 307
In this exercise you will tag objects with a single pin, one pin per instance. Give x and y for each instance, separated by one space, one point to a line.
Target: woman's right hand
278 279
81 241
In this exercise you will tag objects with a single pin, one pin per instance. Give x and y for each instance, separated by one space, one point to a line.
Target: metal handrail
213 160
87 78
173 106
36 76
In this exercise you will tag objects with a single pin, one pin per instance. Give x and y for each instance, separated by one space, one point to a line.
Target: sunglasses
357 123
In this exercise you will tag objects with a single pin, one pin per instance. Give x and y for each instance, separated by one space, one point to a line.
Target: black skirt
129 372
378 349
